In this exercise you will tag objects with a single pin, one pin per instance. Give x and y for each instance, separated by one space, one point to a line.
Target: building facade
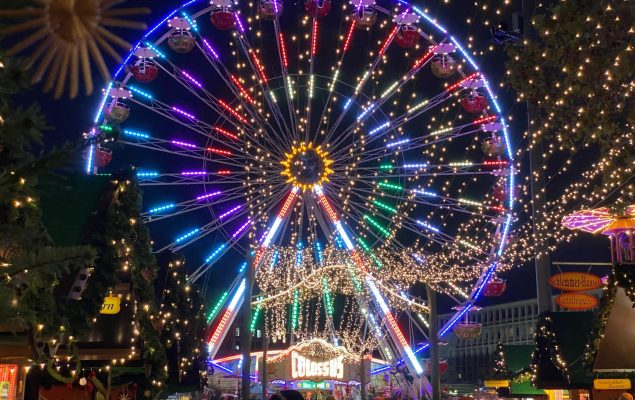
513 323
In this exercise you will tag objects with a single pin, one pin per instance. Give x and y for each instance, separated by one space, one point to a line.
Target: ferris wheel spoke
185 149
168 209
148 177
222 108
232 82
258 69
284 67
192 123
394 88
220 222
362 81
417 197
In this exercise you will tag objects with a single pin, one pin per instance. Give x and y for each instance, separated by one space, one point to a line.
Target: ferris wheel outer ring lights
427 18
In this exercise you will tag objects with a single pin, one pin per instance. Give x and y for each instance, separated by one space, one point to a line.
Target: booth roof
68 203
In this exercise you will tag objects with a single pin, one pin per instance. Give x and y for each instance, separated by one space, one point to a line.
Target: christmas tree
578 76
31 267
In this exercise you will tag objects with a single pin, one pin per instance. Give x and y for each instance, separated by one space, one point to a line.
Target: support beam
245 334
537 185
435 376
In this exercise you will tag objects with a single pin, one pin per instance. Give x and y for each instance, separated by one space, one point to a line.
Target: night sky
70 118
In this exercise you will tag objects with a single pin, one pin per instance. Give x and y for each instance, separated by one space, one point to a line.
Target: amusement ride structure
348 154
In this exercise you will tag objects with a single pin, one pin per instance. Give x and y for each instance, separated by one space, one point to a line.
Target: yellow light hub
307 165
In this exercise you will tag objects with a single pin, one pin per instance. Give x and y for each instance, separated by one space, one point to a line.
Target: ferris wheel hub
307 165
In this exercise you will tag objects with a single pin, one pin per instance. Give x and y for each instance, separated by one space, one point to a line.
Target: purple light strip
211 49
208 195
183 113
184 144
242 228
227 213
194 173
194 81
241 27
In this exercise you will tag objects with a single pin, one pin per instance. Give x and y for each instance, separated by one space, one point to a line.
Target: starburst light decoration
65 38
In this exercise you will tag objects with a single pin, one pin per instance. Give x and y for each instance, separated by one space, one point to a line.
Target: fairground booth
314 367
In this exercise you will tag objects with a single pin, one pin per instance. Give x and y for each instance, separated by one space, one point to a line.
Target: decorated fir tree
31 266
500 366
578 75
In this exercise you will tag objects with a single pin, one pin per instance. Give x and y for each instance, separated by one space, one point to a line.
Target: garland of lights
621 275
547 350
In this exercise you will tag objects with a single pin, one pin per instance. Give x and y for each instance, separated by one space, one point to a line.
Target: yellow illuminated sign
111 305
611 384
496 383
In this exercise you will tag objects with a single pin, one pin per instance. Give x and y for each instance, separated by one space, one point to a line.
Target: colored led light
219 151
187 235
283 50
183 113
211 49
140 135
388 40
184 144
241 229
229 212
349 35
147 174
215 253
397 143
378 226
191 79
428 226
386 185
194 173
208 195
385 206
379 128
161 208
151 47
241 89
232 112
140 92
314 37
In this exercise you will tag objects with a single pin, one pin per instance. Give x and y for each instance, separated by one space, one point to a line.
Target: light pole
542 260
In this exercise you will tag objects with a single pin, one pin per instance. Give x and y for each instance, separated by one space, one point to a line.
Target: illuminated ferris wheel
338 149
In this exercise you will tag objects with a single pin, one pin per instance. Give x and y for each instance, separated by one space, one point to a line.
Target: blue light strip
161 208
187 235
140 92
153 48
139 135
215 253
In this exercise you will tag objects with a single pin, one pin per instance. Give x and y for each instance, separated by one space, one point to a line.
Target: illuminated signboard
303 367
111 305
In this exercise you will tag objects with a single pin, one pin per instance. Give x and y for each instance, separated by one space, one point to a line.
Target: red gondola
319 8
474 103
407 36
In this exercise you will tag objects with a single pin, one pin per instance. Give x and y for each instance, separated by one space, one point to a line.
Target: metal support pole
433 339
362 377
537 184
245 334
263 368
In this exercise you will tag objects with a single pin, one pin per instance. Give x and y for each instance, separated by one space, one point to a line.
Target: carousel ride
349 154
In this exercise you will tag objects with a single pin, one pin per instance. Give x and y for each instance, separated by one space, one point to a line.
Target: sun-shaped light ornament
307 165
62 37
619 226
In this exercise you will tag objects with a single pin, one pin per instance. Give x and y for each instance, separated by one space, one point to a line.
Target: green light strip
327 297
385 206
368 250
254 318
387 185
217 308
376 224
296 309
